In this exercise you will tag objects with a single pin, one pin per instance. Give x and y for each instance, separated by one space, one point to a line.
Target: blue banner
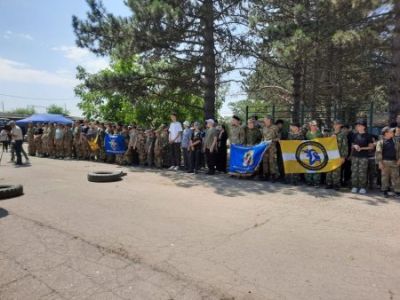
115 144
245 160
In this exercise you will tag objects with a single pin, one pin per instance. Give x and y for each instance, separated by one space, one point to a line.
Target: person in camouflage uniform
270 133
31 139
38 139
131 149
295 133
237 133
150 139
165 147
77 140
100 141
333 177
84 146
361 145
388 157
51 143
45 140
158 148
67 142
141 146
313 133
253 134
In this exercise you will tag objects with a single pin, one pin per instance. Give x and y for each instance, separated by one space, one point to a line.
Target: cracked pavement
166 235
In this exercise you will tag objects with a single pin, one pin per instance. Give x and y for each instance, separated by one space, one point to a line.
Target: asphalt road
168 235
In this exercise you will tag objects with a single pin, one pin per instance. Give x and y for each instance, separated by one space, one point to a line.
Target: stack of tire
11 191
105 176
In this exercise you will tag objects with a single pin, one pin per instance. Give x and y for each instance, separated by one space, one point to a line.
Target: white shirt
3 136
175 128
16 134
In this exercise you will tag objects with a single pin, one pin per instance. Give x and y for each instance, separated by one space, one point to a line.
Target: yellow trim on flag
292 166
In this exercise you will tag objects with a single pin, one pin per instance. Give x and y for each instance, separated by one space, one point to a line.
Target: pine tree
331 49
394 88
195 39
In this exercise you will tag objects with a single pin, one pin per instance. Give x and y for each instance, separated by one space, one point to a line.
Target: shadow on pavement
233 187
3 213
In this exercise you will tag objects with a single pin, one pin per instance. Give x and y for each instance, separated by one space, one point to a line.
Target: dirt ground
170 235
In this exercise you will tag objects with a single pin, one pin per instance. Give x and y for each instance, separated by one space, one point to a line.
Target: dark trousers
5 146
186 158
195 159
221 160
175 152
211 161
346 172
18 150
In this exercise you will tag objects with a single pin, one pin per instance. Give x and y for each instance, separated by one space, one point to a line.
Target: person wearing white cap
210 146
186 136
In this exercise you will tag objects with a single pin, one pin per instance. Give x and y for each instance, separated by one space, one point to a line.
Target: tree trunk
296 92
394 90
209 59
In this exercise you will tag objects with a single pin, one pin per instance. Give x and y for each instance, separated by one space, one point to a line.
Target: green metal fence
324 117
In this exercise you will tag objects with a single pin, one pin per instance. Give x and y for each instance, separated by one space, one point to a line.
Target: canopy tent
44 118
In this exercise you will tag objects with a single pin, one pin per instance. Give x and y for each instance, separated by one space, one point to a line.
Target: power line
35 98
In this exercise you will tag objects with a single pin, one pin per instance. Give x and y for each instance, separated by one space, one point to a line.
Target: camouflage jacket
313 135
237 135
342 143
252 136
270 133
296 136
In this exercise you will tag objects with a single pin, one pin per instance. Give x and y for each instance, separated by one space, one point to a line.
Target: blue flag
115 144
245 160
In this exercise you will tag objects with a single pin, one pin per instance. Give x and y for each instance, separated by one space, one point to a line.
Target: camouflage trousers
314 178
84 149
31 147
390 176
45 145
333 177
150 158
293 178
142 158
359 172
59 148
67 148
158 159
77 147
270 161
51 147
38 145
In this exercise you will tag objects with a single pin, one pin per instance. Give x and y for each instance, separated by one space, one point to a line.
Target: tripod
1 156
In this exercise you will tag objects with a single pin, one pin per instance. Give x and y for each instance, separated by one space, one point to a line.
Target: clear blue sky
38 56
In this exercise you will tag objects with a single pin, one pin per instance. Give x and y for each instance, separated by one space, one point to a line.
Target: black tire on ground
104 176
10 191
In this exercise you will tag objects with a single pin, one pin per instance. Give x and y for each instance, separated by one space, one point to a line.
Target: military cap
236 117
362 122
337 121
387 129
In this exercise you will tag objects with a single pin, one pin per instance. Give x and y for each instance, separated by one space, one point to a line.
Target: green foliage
55 109
107 95
321 54
185 46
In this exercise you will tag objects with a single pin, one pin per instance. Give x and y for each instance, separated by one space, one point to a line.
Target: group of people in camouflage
367 160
